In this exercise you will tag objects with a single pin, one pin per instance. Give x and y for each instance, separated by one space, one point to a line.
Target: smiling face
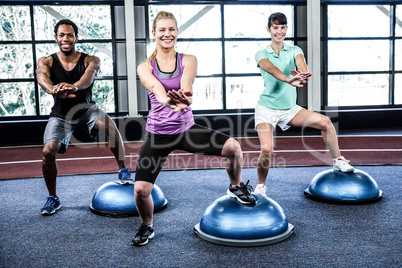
165 33
66 39
278 32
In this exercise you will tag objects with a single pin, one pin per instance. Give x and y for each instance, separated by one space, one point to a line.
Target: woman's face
278 32
166 33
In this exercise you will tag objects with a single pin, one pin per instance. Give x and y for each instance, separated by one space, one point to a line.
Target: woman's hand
180 99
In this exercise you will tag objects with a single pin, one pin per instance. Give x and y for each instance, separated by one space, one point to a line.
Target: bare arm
267 66
182 97
92 64
43 74
149 81
301 63
296 80
189 73
302 68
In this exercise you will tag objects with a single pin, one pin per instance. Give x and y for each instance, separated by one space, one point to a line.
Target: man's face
66 39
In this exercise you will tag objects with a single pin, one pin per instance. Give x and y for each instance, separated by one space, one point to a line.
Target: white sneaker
341 164
260 189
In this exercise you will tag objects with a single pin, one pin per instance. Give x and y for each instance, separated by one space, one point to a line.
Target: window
22 44
361 63
228 77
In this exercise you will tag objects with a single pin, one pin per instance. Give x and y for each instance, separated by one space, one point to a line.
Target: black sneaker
51 206
143 235
242 193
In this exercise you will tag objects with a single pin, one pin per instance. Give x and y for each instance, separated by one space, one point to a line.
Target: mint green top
278 95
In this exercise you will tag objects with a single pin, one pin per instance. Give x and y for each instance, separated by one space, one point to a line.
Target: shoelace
247 187
345 162
125 175
50 201
143 229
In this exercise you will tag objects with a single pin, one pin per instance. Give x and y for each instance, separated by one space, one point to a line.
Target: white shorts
275 117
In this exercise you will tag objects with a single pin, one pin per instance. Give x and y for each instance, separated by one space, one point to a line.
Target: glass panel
119 18
121 62
243 92
207 94
355 90
46 102
254 20
240 56
17 99
360 55
194 21
44 50
101 50
94 22
209 55
398 55
372 21
398 89
15 23
16 61
398 28
123 95
103 95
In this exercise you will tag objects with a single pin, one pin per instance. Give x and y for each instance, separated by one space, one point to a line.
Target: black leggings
156 148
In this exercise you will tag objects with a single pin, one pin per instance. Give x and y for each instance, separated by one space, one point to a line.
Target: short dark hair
277 18
66 22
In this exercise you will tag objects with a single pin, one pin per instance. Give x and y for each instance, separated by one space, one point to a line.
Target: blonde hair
160 16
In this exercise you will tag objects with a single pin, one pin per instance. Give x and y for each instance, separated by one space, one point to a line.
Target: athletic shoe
51 206
242 193
260 189
341 164
143 235
125 176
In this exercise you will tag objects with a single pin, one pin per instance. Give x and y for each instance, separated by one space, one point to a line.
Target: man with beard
68 76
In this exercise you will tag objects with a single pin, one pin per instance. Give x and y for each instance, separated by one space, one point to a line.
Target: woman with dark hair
283 68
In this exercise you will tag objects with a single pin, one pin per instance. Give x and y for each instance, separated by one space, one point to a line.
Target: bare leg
115 141
143 201
234 160
49 165
306 118
265 135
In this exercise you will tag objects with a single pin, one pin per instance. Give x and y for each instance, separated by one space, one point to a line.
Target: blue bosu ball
227 222
117 200
339 187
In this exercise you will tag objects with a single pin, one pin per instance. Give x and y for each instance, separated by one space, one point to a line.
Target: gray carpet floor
326 235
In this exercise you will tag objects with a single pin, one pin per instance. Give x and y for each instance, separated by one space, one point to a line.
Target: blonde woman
168 76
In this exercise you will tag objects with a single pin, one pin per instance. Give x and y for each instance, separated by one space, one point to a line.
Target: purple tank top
162 119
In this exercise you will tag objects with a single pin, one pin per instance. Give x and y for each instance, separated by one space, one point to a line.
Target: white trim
314 54
131 58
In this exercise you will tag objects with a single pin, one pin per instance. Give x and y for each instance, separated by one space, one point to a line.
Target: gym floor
325 235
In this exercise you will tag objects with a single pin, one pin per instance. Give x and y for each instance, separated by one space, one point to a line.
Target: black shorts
156 148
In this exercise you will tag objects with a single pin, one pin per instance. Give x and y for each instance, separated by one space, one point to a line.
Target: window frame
295 39
33 42
391 72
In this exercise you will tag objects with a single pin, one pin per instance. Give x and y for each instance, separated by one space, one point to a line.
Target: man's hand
64 90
